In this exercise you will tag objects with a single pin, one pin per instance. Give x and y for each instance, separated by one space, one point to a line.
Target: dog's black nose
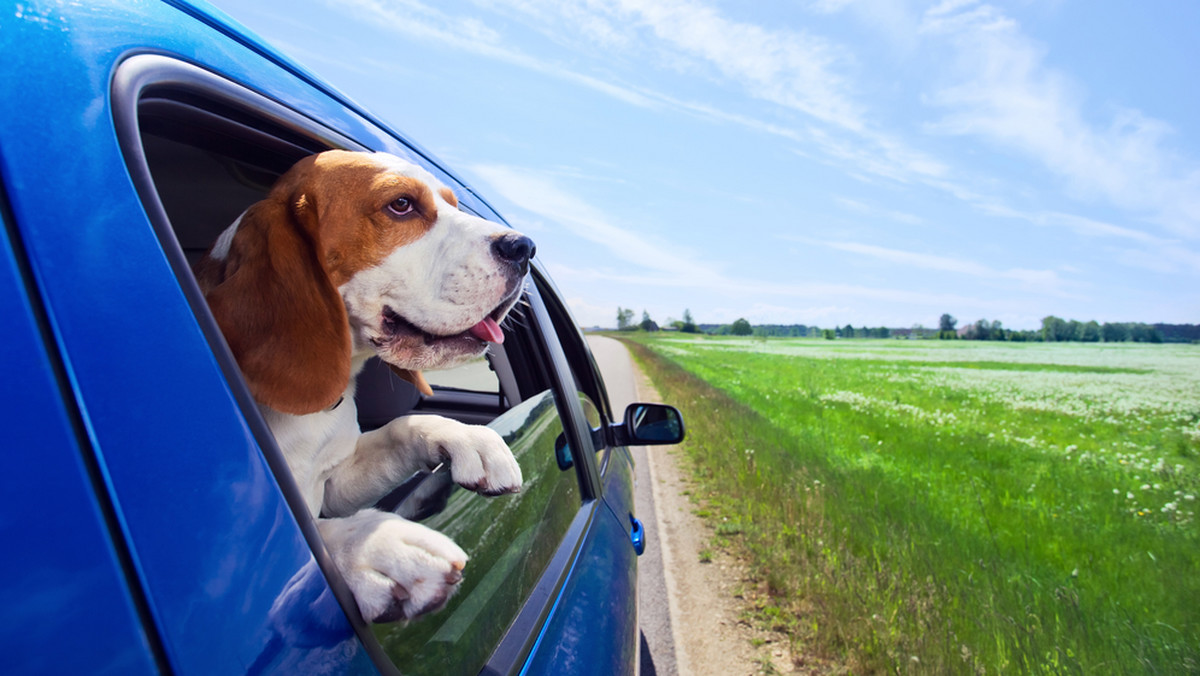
514 248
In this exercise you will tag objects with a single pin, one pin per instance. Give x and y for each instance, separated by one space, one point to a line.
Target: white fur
220 249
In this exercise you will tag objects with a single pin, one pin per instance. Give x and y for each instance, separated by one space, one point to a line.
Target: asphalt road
658 643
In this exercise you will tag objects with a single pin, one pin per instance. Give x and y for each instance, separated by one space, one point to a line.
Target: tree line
1054 329
625 322
1058 330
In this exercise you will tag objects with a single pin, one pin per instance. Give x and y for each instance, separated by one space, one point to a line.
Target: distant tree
624 319
741 327
1113 332
689 324
848 331
980 330
1144 333
1179 333
946 324
647 323
1055 330
829 334
1090 332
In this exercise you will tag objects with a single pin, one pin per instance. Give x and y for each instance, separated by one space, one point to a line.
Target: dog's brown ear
415 377
279 311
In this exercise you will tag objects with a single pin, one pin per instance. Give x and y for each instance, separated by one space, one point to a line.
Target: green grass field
954 507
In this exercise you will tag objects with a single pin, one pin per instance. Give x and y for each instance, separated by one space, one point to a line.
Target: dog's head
352 253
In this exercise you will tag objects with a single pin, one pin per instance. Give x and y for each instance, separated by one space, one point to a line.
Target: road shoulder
706 595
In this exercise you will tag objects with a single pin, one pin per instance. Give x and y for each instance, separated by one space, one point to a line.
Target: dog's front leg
479 461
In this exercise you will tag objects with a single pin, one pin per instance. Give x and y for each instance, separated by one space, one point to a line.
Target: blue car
149 521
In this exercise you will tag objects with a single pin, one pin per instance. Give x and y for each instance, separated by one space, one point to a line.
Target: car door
61 560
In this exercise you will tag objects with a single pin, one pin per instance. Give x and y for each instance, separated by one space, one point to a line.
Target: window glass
577 352
590 391
474 376
590 412
510 539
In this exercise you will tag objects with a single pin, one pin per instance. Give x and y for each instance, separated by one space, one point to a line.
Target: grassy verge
966 512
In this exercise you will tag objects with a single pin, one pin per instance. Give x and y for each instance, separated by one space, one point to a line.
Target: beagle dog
353 255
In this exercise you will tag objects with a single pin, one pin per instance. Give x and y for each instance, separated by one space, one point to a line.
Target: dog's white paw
396 569
480 461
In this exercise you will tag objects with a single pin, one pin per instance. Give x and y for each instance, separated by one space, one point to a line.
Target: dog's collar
335 404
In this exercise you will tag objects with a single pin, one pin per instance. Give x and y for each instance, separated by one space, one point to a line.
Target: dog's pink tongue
488 331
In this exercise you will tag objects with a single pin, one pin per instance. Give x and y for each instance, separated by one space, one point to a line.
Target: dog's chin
443 354
407 346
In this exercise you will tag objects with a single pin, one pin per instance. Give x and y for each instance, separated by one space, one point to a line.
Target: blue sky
873 162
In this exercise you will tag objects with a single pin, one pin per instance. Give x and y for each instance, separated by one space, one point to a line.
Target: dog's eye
400 207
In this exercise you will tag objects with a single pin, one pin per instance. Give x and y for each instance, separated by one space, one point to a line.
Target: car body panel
60 561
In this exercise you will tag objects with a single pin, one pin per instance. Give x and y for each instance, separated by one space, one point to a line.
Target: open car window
203 150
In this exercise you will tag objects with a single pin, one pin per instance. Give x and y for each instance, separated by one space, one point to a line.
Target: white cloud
875 212
1005 93
536 193
652 264
420 21
1043 280
787 67
829 6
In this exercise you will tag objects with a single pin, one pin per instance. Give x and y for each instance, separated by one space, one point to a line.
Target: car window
209 160
474 376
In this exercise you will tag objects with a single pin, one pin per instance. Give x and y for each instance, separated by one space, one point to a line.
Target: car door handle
637 535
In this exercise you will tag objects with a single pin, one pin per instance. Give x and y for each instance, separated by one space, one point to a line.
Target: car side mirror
649 424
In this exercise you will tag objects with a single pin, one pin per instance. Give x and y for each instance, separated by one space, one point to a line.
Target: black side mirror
649 424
